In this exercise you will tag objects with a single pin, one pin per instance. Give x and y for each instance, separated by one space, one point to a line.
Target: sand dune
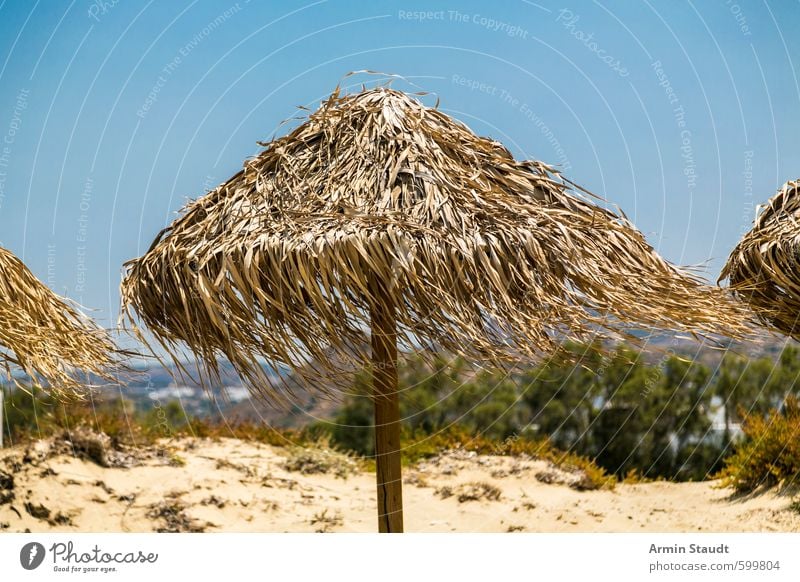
237 486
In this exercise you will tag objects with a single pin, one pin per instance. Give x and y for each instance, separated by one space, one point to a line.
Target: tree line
677 418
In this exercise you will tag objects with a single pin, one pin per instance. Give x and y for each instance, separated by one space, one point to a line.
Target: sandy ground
236 486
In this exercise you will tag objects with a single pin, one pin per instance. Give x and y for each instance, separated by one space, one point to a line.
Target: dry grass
477 491
319 458
326 522
376 196
45 336
764 268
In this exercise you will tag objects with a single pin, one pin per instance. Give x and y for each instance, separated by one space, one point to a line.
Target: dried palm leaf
764 268
46 337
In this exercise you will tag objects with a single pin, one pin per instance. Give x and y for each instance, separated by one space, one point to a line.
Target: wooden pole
387 412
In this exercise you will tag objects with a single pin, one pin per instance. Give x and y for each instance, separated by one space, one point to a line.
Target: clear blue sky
113 114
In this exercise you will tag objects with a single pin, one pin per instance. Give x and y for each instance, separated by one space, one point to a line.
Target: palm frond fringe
46 337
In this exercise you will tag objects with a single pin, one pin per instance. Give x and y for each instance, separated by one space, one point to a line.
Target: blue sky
113 114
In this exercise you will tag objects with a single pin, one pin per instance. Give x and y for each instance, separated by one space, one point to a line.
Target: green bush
631 415
770 453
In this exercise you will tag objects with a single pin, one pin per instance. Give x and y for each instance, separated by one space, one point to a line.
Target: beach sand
229 485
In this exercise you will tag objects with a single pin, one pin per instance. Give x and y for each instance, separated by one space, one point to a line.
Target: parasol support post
387 411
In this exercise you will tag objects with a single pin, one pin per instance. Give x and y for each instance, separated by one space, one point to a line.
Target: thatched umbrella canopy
380 213
763 270
46 337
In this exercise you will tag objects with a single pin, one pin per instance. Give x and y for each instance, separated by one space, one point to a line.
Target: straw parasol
44 336
764 268
379 213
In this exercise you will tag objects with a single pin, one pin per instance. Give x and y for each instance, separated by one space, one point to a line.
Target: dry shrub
326 522
477 492
591 475
172 515
472 491
319 458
